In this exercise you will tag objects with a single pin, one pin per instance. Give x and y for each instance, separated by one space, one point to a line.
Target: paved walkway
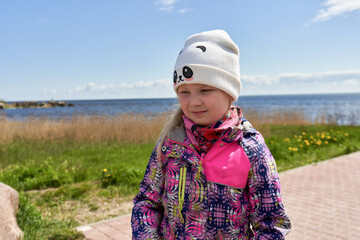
322 200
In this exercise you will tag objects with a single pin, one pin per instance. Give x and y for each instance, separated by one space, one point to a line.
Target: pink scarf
226 129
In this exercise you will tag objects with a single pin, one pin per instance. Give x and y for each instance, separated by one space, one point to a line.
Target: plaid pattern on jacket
177 202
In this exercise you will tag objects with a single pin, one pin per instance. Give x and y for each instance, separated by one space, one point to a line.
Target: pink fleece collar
227 164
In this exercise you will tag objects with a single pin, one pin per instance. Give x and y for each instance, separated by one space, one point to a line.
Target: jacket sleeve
267 215
148 210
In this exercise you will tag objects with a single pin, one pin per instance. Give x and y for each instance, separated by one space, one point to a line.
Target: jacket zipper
181 192
182 180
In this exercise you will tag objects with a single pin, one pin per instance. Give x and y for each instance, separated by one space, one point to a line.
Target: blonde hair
175 120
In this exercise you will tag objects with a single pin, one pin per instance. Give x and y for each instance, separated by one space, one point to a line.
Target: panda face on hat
209 58
186 73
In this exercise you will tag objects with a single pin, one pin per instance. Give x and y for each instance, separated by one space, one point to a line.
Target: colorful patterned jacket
187 196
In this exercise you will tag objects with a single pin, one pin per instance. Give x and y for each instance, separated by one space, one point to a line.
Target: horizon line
159 98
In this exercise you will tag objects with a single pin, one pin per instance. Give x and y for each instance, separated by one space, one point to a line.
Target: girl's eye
206 90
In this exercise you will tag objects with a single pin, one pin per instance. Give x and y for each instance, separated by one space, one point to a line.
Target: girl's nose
195 100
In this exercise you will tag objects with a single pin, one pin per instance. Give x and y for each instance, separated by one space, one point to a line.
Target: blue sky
112 49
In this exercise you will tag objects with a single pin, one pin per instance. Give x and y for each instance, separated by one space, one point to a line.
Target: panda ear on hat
210 58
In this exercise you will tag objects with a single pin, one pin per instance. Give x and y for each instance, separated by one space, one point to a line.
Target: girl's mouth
198 113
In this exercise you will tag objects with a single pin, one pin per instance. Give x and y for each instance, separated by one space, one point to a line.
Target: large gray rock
9 203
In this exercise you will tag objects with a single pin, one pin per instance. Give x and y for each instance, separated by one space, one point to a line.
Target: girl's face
203 104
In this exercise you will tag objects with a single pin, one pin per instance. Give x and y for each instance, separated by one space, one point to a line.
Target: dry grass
127 128
133 128
279 117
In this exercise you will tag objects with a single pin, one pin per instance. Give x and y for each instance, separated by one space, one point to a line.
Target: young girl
210 176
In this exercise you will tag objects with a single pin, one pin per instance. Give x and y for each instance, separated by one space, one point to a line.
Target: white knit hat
210 58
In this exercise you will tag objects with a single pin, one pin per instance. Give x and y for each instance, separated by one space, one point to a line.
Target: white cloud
169 6
166 9
286 83
50 91
166 2
157 88
352 82
185 10
290 83
337 76
334 8
260 79
166 5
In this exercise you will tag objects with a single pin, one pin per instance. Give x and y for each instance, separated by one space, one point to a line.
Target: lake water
344 107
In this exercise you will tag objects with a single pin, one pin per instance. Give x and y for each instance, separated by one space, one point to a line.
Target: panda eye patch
175 76
202 48
187 72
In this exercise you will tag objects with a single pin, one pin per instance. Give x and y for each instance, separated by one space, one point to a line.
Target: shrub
128 176
29 176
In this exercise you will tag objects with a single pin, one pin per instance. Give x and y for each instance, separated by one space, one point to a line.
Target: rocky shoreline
34 104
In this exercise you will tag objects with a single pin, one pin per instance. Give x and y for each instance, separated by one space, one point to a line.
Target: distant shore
34 104
341 109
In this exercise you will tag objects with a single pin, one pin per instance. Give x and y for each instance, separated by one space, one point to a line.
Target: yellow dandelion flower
334 139
301 145
318 142
290 148
303 133
295 149
326 142
104 170
346 134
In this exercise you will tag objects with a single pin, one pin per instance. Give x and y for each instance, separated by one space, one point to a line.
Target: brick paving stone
322 201
92 234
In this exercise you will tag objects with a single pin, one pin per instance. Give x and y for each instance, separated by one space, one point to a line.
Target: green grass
298 146
36 227
74 170
33 164
71 171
